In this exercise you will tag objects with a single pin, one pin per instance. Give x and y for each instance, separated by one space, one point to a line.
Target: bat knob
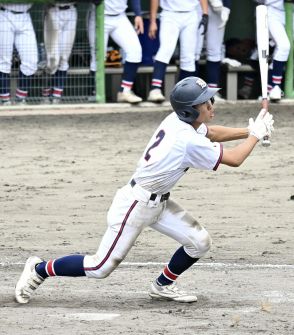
266 142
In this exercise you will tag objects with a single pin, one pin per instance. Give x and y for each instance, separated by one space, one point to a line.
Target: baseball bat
262 37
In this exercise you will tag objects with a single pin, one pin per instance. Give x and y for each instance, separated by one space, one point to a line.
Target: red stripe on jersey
220 157
169 275
50 268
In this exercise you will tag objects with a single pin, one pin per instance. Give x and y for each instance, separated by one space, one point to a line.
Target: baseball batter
59 35
277 31
17 31
182 141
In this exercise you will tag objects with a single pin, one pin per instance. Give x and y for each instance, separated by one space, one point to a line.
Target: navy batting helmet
187 93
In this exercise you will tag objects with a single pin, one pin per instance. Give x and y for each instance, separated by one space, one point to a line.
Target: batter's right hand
262 126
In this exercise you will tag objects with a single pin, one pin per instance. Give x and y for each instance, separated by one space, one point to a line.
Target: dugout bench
232 79
113 79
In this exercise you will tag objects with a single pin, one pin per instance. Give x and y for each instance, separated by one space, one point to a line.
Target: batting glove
261 127
259 117
204 23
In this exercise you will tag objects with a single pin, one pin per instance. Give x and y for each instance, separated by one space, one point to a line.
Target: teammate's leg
91 30
215 37
26 45
6 50
181 226
199 45
168 36
125 36
52 28
67 37
188 43
276 23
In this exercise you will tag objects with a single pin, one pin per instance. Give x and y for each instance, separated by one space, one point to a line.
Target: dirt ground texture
58 174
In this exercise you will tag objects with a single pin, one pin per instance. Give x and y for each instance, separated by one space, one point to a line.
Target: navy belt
65 7
153 196
11 11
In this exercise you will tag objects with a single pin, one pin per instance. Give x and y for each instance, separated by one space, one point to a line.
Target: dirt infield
58 176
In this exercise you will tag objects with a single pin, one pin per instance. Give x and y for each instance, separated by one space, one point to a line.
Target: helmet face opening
187 93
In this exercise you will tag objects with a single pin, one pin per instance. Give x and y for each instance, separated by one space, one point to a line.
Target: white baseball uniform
178 20
17 30
174 148
59 34
213 38
276 25
118 27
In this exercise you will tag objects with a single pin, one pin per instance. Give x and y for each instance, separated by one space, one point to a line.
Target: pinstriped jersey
174 148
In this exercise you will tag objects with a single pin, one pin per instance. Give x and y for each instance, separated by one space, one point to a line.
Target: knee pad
201 245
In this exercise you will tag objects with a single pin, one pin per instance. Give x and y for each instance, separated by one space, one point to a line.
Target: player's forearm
224 134
204 6
136 5
153 10
236 156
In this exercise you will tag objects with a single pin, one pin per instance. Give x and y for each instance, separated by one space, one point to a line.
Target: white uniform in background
16 29
178 20
118 27
276 25
215 35
59 34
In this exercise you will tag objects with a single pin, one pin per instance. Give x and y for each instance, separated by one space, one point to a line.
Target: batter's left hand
139 25
204 23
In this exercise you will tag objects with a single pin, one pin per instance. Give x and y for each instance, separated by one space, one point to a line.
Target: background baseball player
279 52
182 141
218 11
125 35
16 30
59 35
277 31
178 20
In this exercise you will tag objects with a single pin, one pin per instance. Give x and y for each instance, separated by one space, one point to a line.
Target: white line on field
218 266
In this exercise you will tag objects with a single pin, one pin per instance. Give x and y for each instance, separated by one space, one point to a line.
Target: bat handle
266 141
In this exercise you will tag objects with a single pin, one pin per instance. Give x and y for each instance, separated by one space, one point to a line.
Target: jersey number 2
159 137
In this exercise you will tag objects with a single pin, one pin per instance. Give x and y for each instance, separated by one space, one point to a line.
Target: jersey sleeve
201 153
